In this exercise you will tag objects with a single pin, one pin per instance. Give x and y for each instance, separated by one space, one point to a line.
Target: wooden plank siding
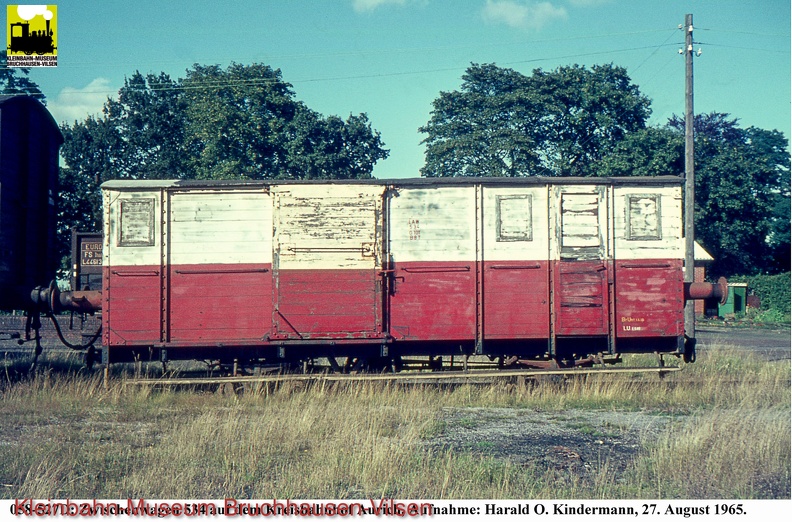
460 262
327 270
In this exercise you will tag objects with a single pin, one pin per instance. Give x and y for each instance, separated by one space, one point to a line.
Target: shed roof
699 254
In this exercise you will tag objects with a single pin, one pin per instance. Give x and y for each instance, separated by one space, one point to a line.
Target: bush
773 290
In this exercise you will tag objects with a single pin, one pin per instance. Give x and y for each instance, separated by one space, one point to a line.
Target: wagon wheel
377 365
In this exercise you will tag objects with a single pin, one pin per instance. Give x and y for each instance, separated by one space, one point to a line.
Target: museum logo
32 35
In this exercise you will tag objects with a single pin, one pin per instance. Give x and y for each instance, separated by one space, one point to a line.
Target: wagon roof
125 184
31 104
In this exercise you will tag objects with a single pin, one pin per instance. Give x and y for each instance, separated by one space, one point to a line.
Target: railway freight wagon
528 269
29 143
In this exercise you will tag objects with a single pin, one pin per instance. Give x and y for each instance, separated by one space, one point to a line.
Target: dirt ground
578 441
772 343
581 441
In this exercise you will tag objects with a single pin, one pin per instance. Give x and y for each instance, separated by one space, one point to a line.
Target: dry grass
742 453
64 434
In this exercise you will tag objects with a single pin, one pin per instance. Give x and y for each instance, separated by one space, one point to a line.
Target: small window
643 217
137 222
514 218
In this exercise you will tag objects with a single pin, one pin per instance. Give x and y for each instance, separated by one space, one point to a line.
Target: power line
749 33
665 42
783 51
595 53
402 50
207 85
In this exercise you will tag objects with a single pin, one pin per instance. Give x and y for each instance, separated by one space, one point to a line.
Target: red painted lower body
649 298
212 305
188 304
327 304
438 301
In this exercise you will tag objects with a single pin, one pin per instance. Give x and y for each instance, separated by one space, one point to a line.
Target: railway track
238 384
441 377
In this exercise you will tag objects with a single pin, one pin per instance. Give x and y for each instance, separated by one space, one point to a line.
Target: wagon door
434 253
580 298
327 262
515 263
220 243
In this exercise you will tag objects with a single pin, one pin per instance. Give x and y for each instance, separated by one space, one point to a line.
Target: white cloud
522 15
28 12
361 6
589 3
78 103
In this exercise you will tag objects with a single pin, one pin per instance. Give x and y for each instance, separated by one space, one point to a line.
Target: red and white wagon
536 268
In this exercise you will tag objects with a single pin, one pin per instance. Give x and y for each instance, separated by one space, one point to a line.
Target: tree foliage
590 111
503 123
489 128
742 194
145 130
238 120
14 80
242 122
79 202
653 151
592 122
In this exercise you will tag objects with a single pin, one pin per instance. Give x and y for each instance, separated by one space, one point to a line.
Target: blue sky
391 58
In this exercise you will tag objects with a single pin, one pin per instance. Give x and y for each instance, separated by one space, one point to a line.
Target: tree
89 152
237 120
653 151
146 129
589 113
242 122
14 80
325 148
742 194
489 128
502 123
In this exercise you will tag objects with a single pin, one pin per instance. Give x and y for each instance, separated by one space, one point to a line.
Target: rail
407 377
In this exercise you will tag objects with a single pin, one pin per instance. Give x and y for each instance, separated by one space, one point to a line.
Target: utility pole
690 182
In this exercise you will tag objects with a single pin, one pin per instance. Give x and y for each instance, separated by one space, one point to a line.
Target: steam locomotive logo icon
32 35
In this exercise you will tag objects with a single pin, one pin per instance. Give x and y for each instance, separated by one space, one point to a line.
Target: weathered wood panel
581 299
433 250
219 278
130 308
648 223
327 269
117 252
515 263
432 224
220 228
